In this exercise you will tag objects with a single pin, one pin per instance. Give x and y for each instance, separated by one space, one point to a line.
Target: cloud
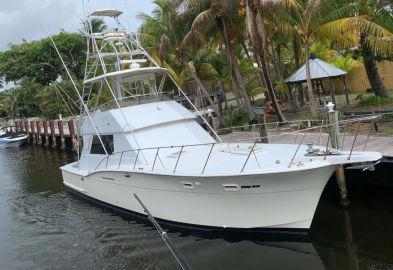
21 19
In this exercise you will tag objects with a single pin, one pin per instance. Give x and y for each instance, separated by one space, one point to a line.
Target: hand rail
213 144
248 141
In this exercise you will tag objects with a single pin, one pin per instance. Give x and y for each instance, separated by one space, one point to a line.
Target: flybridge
117 63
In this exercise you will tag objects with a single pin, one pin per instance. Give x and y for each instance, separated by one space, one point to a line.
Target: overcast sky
19 19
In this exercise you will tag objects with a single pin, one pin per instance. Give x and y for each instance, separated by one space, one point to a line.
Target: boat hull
12 142
284 201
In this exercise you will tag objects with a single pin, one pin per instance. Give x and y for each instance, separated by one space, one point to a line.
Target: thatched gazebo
320 71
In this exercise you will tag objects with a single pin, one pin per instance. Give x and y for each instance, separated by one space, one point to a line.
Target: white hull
9 142
283 201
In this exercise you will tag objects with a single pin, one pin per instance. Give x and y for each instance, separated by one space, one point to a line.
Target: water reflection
43 227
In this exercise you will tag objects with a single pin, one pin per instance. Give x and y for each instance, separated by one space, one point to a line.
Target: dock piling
334 131
38 125
46 137
53 133
61 133
342 185
71 128
33 136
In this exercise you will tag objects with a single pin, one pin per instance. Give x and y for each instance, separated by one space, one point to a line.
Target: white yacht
145 143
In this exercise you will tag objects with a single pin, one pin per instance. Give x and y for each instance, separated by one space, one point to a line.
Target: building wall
358 81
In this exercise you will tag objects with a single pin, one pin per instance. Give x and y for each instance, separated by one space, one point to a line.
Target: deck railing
309 136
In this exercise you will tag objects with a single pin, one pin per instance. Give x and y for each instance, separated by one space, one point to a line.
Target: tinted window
96 146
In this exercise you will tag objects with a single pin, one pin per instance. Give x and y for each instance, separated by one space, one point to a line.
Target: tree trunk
277 62
371 69
296 51
235 70
256 31
313 105
204 91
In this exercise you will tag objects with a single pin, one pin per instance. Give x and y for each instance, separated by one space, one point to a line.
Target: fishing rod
175 252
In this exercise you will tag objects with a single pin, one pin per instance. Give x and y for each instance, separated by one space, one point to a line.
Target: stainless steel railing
314 134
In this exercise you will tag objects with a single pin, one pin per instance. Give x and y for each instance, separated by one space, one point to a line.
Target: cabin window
96 146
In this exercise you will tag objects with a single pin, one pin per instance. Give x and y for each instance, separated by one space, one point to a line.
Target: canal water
44 227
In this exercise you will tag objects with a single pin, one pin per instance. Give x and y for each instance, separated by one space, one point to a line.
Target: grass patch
375 101
240 119
388 131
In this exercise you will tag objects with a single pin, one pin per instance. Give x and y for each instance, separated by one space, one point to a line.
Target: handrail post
107 160
208 157
136 159
248 157
177 161
121 158
354 141
155 159
99 164
345 132
327 146
297 150
368 135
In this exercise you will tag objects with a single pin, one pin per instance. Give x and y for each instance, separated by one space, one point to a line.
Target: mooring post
61 133
71 128
27 131
45 124
32 131
333 125
342 185
52 132
334 130
38 126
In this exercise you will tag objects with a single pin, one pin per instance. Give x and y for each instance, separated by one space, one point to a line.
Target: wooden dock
382 144
53 133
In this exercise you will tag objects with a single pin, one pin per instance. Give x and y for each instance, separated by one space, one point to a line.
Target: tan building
358 81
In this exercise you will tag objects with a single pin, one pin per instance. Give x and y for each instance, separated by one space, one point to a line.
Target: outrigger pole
175 252
75 87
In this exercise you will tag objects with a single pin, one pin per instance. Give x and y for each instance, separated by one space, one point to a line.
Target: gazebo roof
319 70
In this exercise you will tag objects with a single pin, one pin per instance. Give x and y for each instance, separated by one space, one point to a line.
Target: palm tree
96 25
373 21
220 17
309 20
165 35
257 32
